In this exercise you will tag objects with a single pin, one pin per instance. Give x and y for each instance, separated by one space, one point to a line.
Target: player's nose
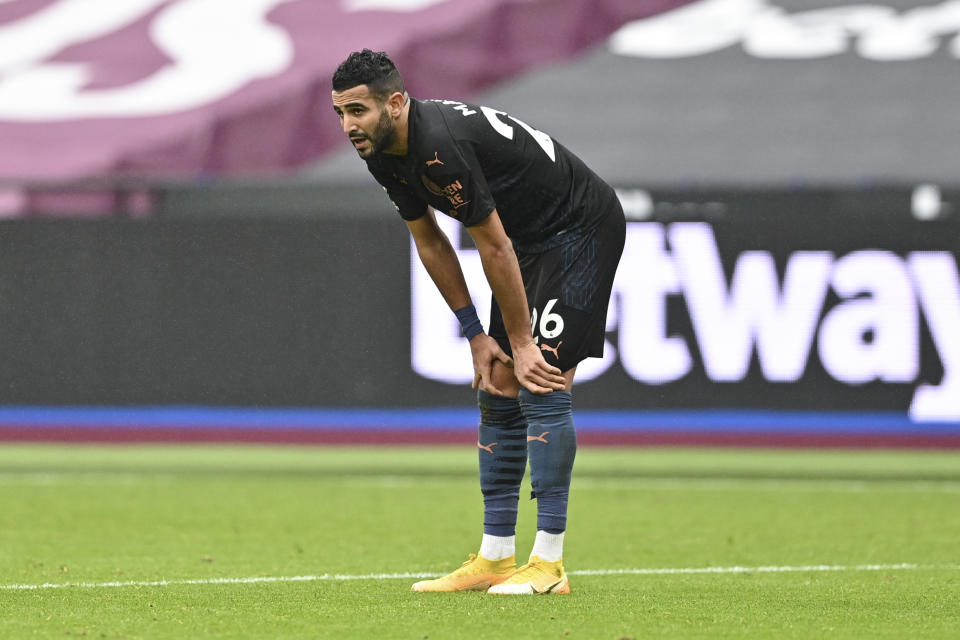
349 124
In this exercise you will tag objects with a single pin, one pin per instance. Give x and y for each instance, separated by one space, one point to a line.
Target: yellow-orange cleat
536 577
476 574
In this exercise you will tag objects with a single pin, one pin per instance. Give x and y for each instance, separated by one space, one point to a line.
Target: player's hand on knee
534 373
486 351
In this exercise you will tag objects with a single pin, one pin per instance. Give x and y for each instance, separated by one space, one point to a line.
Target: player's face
365 120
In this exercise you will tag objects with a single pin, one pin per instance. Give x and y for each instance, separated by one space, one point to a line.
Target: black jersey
466 160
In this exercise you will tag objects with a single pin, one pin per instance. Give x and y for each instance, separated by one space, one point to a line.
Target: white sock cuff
497 547
548 546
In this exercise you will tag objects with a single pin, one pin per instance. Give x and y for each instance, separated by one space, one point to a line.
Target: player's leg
570 290
551 448
502 451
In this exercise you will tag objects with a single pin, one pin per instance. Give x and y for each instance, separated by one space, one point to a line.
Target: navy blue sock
502 448
552 447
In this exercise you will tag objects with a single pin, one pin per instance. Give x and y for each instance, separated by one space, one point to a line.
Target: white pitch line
210 581
772 569
328 577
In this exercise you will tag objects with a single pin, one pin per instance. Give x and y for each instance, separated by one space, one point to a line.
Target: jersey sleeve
409 205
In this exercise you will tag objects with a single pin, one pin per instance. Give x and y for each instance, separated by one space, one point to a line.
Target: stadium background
205 259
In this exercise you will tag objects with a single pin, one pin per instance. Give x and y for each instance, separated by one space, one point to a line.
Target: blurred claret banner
188 88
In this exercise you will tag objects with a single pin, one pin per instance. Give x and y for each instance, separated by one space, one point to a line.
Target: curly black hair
372 68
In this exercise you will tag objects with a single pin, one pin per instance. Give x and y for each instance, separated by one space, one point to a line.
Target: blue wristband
469 322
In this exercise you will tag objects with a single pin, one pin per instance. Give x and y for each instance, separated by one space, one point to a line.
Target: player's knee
498 410
552 406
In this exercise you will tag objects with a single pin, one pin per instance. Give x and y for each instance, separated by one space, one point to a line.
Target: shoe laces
533 566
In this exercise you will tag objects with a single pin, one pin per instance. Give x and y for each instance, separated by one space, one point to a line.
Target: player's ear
395 103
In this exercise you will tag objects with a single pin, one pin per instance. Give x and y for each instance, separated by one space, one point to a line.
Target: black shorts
568 290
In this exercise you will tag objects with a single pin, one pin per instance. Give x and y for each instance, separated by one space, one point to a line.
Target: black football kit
566 223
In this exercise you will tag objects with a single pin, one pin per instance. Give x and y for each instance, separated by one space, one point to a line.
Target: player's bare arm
503 273
440 261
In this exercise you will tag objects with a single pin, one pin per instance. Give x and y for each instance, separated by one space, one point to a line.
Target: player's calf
551 447
502 451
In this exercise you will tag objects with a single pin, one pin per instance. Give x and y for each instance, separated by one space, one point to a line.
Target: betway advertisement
814 317
807 303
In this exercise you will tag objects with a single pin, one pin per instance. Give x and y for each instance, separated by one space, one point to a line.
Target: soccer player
549 233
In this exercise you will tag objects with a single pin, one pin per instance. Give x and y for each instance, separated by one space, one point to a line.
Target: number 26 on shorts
551 324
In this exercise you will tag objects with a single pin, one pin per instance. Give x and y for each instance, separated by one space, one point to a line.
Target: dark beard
382 138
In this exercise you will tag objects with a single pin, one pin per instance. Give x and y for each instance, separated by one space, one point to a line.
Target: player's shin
552 447
502 449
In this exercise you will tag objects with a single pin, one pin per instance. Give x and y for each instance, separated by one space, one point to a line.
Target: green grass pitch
303 542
